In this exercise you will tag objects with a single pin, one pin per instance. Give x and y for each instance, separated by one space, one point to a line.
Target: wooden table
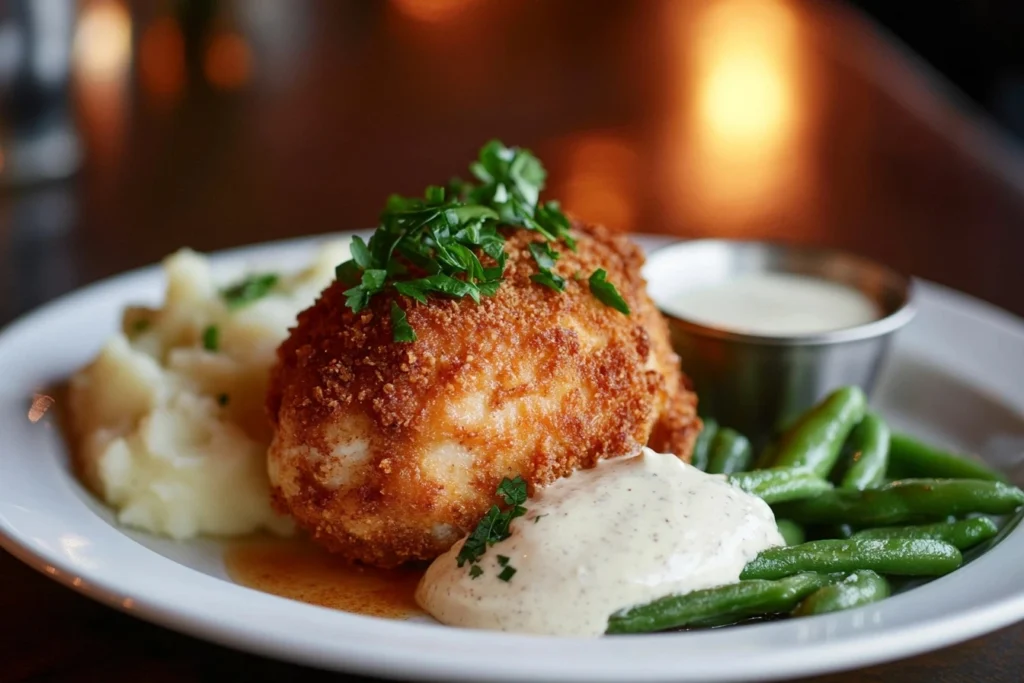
743 118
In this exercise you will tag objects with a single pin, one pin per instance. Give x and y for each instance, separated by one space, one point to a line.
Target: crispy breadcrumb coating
389 452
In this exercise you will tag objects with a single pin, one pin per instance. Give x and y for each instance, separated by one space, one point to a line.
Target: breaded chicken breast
389 452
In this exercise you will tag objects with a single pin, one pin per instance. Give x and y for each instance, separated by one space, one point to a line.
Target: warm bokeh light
745 73
228 61
600 168
103 41
432 11
162 59
102 55
733 136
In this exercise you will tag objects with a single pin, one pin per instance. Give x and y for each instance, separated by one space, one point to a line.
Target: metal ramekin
756 383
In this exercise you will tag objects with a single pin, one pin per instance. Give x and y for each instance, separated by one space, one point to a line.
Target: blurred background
129 129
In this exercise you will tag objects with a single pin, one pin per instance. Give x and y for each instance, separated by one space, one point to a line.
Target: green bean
859 588
816 440
780 484
963 534
725 604
869 446
912 458
1005 530
730 452
905 501
702 446
914 557
790 531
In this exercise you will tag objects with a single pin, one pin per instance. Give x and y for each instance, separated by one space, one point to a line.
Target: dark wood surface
744 118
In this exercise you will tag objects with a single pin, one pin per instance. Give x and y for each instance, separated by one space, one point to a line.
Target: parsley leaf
441 284
356 298
495 524
250 289
373 279
475 571
211 338
551 218
412 290
470 262
503 560
510 177
489 288
347 273
475 544
400 329
361 253
543 254
513 491
549 279
606 292
507 573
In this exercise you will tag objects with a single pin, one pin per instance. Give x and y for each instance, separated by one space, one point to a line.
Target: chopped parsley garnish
222 399
503 560
475 571
549 279
250 289
494 526
606 292
400 329
513 491
447 243
211 338
544 255
507 573
537 518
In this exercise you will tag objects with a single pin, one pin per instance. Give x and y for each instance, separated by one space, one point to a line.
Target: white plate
957 373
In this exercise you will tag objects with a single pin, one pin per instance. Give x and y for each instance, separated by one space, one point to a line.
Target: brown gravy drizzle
299 570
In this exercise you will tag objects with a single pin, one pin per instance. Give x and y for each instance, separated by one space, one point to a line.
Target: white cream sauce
774 304
629 531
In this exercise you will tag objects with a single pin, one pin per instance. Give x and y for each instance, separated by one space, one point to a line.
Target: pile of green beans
875 504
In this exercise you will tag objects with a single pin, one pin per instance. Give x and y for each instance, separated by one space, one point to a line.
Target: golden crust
389 452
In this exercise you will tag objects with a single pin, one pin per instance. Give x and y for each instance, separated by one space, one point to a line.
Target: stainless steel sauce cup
756 383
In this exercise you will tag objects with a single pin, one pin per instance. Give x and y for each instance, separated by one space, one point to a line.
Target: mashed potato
169 418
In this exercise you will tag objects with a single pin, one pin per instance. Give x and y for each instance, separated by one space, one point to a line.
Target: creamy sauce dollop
629 531
774 304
